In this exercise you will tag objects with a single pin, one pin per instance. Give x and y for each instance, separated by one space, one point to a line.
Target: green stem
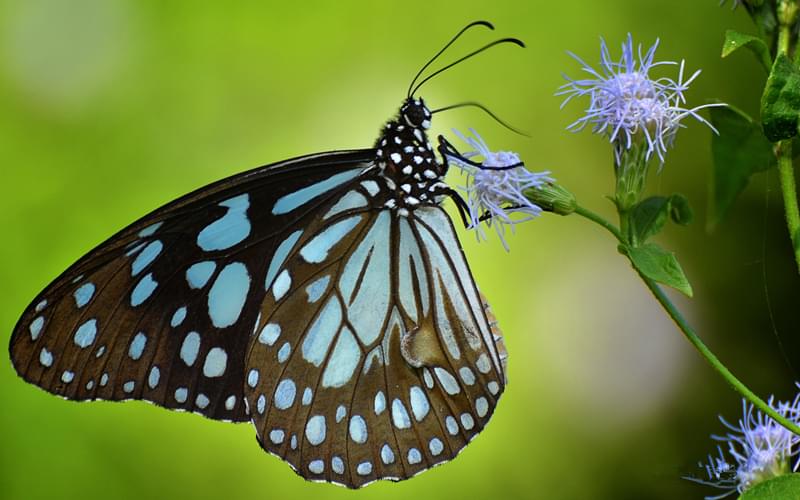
597 219
691 335
715 363
789 191
787 15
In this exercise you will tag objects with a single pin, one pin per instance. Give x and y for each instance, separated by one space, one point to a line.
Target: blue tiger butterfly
325 299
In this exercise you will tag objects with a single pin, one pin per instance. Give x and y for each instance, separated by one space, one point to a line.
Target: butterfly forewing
393 367
163 311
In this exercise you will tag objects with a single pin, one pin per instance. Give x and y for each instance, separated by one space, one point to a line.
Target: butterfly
325 299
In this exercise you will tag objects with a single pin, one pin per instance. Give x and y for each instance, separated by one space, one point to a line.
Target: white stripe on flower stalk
496 194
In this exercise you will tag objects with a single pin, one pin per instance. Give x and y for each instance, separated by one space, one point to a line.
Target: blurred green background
110 108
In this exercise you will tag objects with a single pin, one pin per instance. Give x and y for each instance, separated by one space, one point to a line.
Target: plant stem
599 220
715 363
786 175
787 15
691 335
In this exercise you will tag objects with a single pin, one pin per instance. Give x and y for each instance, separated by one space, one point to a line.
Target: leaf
780 103
738 150
735 40
649 216
680 211
778 488
659 265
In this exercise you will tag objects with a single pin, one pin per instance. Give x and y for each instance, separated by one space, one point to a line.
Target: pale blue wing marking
291 201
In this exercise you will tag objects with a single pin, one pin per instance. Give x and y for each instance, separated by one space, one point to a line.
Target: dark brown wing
164 310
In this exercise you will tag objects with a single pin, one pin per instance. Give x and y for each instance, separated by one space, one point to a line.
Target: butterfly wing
374 357
163 310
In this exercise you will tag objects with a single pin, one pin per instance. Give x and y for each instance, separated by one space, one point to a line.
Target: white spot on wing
387 455
350 201
281 253
315 430
358 429
368 304
149 230
178 317
320 335
216 362
137 346
285 394
449 382
85 334
380 403
316 289
269 334
154 377
316 466
282 284
419 403
190 348
316 250
343 360
228 295
143 289
84 294
291 201
146 257
400 415
198 274
481 406
229 230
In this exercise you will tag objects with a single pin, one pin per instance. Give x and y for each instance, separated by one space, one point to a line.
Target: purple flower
759 448
627 105
492 194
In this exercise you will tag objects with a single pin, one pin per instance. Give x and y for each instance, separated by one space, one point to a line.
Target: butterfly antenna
465 28
485 110
514 41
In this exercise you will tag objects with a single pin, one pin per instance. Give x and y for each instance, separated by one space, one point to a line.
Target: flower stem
787 15
715 363
691 335
599 220
789 191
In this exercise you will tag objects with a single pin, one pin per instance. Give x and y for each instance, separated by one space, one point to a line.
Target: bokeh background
110 108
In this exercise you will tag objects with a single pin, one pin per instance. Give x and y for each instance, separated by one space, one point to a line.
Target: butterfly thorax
407 161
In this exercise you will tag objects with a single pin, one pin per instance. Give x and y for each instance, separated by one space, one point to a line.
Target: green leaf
780 103
778 488
679 210
739 150
649 215
659 265
735 40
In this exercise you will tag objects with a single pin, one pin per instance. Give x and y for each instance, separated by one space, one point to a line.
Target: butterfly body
325 299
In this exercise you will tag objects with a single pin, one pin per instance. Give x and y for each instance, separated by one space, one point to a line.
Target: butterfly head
415 113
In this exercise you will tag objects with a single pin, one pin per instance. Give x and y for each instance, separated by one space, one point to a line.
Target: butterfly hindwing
163 310
394 367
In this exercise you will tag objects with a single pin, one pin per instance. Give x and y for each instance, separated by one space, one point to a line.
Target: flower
627 105
495 187
759 448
